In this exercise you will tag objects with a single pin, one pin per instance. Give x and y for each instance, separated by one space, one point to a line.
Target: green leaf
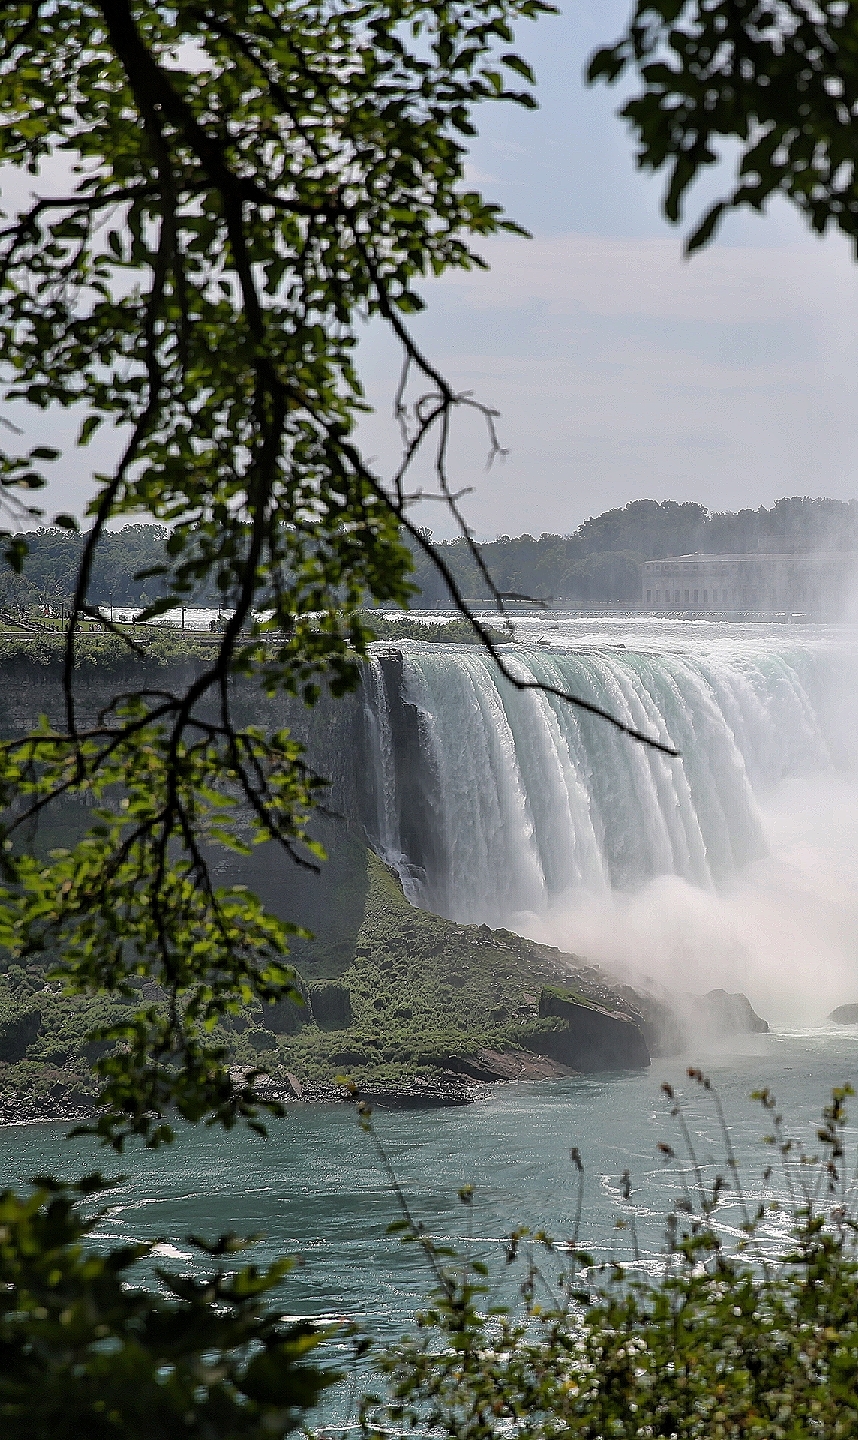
16 552
706 229
520 66
88 428
67 522
606 64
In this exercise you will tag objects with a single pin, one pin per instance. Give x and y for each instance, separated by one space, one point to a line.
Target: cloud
649 279
622 370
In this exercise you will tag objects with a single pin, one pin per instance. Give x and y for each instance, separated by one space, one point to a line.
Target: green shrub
86 1355
439 632
721 1345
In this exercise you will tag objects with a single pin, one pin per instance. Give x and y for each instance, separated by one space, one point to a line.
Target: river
316 1188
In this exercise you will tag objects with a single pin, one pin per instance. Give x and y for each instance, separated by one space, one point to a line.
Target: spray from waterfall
729 866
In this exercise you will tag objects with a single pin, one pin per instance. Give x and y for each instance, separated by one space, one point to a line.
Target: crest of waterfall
494 802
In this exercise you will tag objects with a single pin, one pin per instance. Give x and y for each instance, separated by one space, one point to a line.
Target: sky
620 370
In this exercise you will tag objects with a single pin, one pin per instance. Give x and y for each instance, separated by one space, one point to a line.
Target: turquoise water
317 1188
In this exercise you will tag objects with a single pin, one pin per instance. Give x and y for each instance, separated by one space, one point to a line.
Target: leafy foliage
104 651
780 79
724 1343
210 948
52 557
243 184
84 1350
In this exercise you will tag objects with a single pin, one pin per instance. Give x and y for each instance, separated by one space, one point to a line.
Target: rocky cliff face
587 1036
31 685
330 904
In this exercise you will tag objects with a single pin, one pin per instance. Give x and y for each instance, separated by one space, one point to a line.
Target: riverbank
415 1011
418 1011
61 1103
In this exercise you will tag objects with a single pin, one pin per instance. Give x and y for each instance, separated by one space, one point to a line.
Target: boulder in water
588 1037
727 1014
845 1015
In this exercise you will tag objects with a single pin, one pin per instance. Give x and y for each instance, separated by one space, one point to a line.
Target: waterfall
496 803
380 750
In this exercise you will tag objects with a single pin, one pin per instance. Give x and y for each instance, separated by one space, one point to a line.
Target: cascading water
513 808
536 800
377 720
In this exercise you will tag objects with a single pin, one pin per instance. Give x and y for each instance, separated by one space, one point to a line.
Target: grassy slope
427 997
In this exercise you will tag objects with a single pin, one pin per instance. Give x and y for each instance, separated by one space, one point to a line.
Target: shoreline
486 1070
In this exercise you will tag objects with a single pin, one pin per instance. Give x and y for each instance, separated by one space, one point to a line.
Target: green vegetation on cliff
46 1043
157 645
427 999
411 997
43 642
426 995
442 632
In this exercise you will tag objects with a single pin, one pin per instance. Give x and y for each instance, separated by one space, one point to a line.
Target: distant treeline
50 569
599 562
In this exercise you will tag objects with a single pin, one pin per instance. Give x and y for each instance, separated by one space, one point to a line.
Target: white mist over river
733 866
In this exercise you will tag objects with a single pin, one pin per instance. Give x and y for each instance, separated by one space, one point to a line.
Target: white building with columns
817 585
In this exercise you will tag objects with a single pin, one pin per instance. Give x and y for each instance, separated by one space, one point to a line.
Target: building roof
723 559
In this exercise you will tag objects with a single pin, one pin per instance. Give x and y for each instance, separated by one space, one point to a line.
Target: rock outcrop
681 1024
725 1015
845 1015
588 1037
662 1027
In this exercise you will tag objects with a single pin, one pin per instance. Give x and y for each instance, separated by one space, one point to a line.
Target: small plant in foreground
87 1354
725 1342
